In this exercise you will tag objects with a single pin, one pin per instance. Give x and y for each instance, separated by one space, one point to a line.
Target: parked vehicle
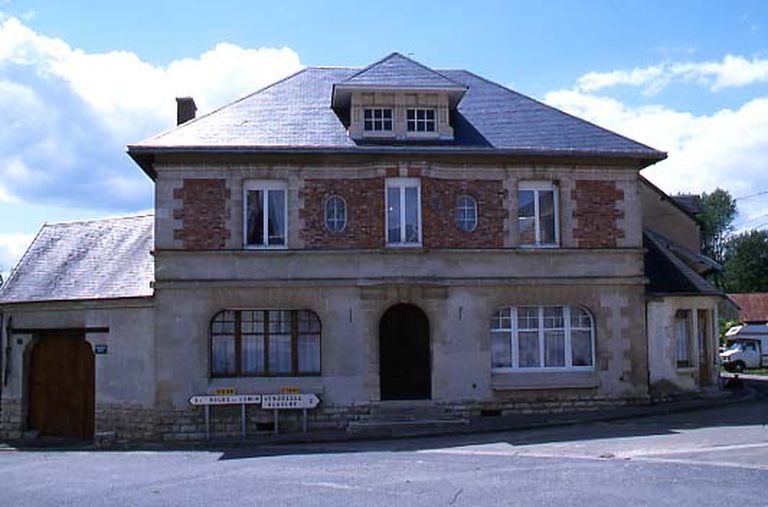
746 347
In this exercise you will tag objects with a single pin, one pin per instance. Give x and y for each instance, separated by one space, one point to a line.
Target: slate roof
295 114
396 70
668 273
96 259
752 307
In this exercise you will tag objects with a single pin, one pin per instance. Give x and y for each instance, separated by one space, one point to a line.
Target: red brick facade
204 214
365 213
596 213
439 198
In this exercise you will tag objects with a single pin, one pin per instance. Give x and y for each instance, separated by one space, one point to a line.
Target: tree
718 212
746 262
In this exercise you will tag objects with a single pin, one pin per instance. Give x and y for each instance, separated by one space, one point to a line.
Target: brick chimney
185 109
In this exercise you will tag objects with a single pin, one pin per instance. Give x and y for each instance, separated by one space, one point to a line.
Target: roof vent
185 109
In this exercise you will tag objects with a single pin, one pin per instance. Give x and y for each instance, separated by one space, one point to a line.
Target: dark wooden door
404 354
61 386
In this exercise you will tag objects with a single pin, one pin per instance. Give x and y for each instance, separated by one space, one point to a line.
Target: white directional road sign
234 399
288 401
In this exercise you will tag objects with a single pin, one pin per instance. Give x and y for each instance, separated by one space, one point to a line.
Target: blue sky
79 80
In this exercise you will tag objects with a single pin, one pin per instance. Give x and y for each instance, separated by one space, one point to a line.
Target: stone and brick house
383 237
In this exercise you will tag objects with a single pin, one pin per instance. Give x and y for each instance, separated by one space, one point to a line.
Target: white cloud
12 247
733 71
68 114
726 149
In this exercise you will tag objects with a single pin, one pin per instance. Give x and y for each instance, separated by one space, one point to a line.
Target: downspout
647 354
7 357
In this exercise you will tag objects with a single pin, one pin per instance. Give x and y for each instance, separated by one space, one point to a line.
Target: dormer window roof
400 73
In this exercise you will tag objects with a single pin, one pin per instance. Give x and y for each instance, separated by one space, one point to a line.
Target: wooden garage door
61 386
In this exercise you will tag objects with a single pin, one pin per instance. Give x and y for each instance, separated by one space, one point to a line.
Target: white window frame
373 110
327 218
264 186
459 208
402 184
513 331
425 121
536 187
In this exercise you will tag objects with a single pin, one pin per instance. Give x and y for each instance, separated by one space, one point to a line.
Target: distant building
372 236
752 308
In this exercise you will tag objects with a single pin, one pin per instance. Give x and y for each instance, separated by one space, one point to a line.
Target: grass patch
756 371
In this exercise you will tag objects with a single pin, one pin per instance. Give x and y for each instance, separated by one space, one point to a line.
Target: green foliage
746 262
719 210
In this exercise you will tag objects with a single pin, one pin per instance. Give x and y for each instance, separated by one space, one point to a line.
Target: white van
746 347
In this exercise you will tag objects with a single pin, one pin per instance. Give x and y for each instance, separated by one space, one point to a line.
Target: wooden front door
61 386
404 354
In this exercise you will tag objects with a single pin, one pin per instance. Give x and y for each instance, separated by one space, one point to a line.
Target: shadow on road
749 413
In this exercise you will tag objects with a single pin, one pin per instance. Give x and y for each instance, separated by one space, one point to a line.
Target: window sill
540 247
544 380
258 247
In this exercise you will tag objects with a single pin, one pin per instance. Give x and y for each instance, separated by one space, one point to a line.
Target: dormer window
421 120
377 119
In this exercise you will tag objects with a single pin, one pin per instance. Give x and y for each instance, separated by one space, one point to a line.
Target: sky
79 80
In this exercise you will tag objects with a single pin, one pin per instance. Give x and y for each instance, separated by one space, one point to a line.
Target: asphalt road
708 457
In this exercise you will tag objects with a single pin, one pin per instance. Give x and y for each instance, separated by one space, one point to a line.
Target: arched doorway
405 371
61 386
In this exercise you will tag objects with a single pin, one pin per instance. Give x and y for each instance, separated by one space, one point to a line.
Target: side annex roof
95 259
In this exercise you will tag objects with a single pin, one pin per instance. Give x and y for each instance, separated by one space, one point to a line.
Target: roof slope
96 259
396 70
752 307
667 273
295 114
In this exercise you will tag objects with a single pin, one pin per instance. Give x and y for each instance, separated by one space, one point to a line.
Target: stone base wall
11 419
136 423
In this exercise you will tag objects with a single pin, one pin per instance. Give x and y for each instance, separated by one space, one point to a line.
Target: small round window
466 213
335 213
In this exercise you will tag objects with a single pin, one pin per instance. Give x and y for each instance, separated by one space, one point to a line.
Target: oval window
466 213
335 213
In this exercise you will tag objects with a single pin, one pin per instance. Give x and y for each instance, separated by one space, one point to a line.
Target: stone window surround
536 187
402 184
265 185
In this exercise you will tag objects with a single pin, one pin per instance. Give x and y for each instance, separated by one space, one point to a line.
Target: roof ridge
100 219
236 101
411 60
564 113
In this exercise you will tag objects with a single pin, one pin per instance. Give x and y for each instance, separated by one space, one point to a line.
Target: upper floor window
403 204
421 120
377 119
265 343
466 213
536 337
266 214
537 214
335 213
